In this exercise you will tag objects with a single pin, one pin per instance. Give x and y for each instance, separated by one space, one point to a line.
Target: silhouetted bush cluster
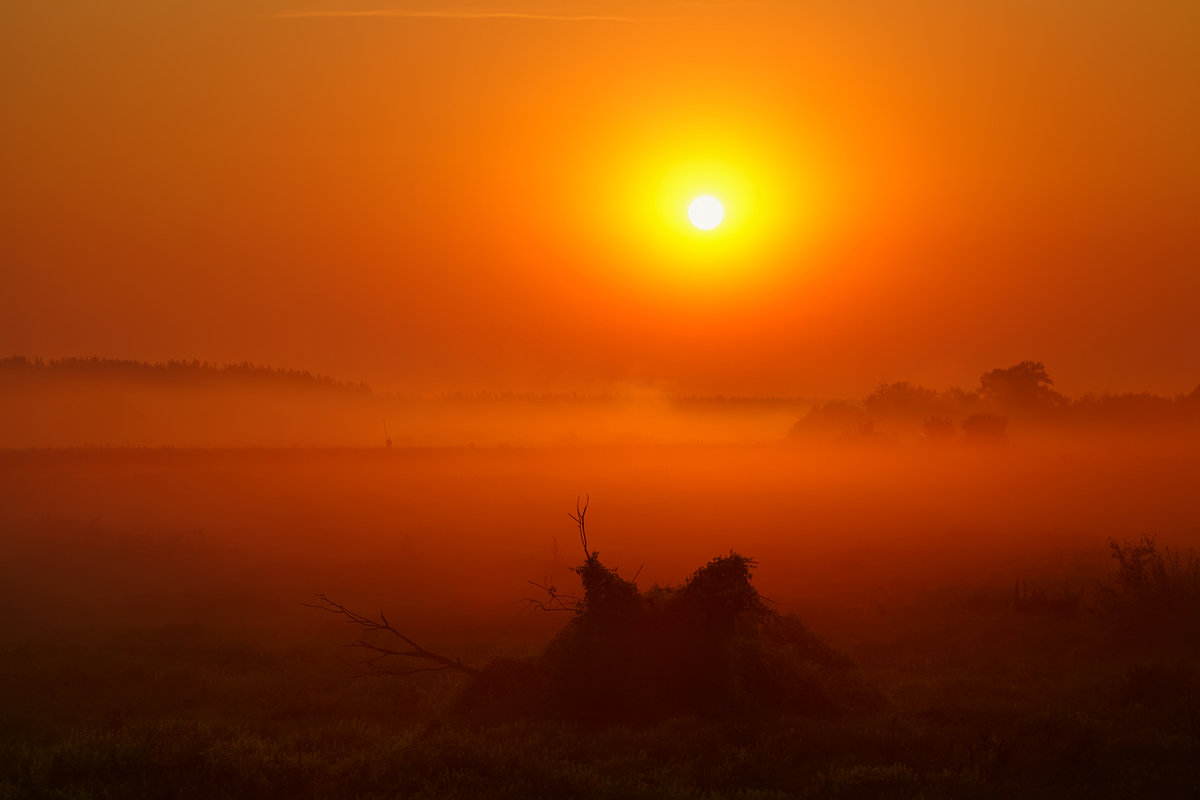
1154 590
1022 392
710 647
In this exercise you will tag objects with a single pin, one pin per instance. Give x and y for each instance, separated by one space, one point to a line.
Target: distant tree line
1021 394
20 368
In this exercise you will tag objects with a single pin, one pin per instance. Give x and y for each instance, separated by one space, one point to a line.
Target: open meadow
155 641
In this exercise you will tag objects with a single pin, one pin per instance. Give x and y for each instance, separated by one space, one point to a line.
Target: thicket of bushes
1154 590
711 647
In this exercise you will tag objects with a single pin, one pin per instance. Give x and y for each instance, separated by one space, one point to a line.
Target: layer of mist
110 403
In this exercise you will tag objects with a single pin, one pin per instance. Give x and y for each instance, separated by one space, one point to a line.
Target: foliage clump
1154 590
710 647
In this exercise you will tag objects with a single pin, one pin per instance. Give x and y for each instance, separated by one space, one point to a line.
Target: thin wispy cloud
403 13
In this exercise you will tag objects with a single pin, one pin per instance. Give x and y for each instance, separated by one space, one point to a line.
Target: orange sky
460 196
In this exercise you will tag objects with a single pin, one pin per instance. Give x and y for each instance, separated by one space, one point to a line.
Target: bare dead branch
578 516
370 625
555 600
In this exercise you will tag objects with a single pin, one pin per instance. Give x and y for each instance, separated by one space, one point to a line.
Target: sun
706 212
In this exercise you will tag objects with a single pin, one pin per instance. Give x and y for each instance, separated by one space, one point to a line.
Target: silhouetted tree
1024 387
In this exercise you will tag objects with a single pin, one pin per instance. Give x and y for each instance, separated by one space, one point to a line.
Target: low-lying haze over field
943 543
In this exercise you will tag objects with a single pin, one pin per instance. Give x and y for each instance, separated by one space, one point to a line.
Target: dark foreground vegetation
153 645
711 647
995 693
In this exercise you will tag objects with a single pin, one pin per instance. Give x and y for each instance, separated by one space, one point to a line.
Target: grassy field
142 659
981 701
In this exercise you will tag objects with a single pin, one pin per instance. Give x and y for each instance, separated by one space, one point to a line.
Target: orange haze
463 197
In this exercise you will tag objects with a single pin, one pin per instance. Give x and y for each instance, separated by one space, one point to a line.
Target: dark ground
152 642
989 702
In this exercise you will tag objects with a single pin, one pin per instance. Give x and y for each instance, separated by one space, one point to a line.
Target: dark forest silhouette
1021 395
192 372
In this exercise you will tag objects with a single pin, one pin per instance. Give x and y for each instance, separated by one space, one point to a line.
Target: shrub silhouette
709 647
1155 591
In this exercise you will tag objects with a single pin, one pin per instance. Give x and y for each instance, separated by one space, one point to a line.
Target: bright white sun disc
706 212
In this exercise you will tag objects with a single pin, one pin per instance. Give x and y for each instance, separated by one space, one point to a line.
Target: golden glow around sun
701 217
706 212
